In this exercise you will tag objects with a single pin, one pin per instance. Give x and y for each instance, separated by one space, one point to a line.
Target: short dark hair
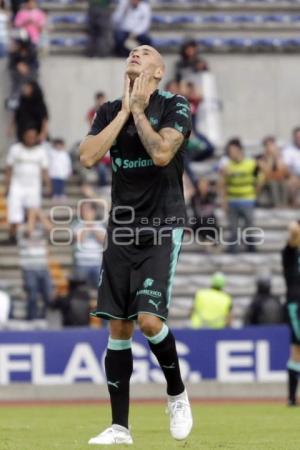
267 139
29 127
99 94
296 130
234 141
58 141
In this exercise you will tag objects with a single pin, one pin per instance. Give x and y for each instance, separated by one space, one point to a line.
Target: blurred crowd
109 33
39 166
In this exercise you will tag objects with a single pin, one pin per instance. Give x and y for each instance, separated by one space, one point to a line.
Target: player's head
234 150
30 137
296 136
145 58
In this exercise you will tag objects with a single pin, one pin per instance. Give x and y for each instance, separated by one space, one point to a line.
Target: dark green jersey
152 194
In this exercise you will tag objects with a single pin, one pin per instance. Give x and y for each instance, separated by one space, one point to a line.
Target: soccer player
146 132
291 268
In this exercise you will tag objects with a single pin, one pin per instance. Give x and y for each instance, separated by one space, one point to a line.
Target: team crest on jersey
148 282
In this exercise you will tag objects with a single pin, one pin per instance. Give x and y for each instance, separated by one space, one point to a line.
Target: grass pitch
216 427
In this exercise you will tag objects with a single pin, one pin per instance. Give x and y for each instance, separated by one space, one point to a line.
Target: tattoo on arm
173 137
163 144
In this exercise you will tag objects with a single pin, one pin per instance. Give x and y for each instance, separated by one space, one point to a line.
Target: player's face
145 59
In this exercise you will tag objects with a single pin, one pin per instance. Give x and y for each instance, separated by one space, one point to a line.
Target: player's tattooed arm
161 146
94 147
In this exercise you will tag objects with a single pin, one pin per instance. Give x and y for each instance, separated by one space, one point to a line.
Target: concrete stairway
196 264
210 22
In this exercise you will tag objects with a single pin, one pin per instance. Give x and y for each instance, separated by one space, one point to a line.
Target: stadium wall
260 93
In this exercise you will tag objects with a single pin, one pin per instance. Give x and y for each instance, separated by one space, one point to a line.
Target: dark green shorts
137 277
293 312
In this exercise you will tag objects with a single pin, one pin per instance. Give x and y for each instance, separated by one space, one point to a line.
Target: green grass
216 427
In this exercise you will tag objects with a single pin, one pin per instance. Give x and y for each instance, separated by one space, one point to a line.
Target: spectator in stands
199 147
15 6
265 308
23 67
100 98
212 307
60 167
190 61
4 35
75 307
132 21
32 241
104 164
5 306
32 110
173 86
273 173
238 179
26 166
203 203
99 24
31 19
192 93
89 242
291 158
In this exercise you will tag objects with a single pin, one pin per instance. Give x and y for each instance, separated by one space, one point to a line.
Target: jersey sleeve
178 116
101 120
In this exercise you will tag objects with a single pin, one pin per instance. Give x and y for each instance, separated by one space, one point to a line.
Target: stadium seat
78 19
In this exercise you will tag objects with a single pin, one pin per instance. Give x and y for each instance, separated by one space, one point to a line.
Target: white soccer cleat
181 419
116 434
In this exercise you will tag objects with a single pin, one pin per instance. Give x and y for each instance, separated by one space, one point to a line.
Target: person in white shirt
131 20
32 240
60 167
89 245
4 29
26 168
291 158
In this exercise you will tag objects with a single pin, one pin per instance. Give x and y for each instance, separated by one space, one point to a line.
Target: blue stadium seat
295 18
243 18
68 42
78 19
273 18
214 18
206 43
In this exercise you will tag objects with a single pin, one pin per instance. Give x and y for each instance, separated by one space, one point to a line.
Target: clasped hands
136 100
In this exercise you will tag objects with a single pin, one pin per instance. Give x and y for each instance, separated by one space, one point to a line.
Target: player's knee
149 325
296 353
121 329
